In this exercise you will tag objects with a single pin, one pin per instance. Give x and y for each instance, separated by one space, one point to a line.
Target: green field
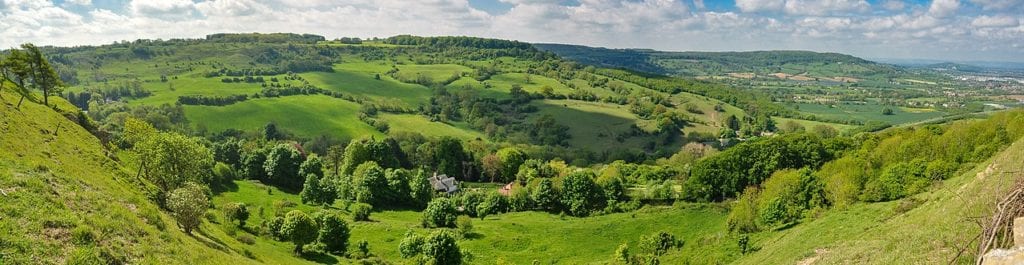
594 126
868 112
422 125
306 116
519 238
811 124
357 79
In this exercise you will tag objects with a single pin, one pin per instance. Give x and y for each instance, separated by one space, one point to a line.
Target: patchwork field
306 116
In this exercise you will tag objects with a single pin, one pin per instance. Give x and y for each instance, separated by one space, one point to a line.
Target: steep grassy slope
927 228
65 201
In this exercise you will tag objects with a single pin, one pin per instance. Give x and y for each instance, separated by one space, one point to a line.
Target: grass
593 125
66 201
519 238
305 115
867 112
808 125
420 124
357 78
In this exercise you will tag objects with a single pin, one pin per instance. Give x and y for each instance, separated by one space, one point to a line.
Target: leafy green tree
44 77
385 153
545 196
622 254
314 191
411 245
270 132
236 211
449 156
420 190
312 165
660 243
369 185
580 194
440 212
282 166
252 164
511 158
188 204
442 249
16 68
300 229
494 203
334 231
168 160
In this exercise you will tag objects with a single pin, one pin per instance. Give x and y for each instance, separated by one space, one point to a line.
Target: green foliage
235 211
169 160
420 190
223 173
299 228
464 225
369 184
252 163
440 247
743 216
411 245
511 158
317 191
750 163
361 212
312 165
282 166
384 152
545 196
440 212
580 194
787 195
660 243
334 231
494 203
188 204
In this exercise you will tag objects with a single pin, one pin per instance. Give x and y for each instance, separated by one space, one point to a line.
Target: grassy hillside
927 228
66 201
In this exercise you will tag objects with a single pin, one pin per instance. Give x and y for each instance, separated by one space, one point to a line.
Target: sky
955 30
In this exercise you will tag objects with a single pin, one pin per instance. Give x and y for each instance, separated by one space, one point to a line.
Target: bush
300 229
236 211
361 212
581 195
272 228
658 244
411 245
441 248
440 212
465 225
247 239
188 204
334 232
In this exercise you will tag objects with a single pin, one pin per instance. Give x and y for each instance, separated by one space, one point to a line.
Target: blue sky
964 30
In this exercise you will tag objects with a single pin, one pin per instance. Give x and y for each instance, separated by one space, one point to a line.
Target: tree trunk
46 96
20 100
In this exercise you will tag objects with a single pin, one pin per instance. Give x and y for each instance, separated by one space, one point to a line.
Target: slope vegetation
65 200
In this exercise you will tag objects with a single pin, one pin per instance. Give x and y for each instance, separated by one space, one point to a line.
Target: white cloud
760 5
943 8
180 9
995 21
999 4
80 2
894 5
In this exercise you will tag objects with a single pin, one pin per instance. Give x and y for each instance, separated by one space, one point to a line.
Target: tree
440 212
15 68
316 192
252 164
580 194
545 196
312 165
441 248
236 211
188 204
420 190
270 132
334 231
369 184
511 158
282 166
449 156
411 245
299 228
887 111
492 167
168 160
42 74
385 153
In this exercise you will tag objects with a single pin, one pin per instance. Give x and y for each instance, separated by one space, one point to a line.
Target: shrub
236 211
411 245
299 228
440 212
247 239
658 244
465 225
441 248
334 232
580 194
361 212
188 204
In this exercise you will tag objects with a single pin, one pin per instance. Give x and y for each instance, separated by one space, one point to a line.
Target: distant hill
698 64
